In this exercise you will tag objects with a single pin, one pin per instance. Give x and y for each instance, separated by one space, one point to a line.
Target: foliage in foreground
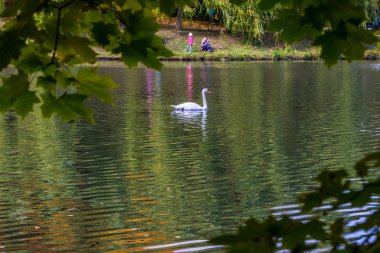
320 230
45 42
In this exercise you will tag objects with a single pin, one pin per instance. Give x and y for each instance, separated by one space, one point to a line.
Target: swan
190 106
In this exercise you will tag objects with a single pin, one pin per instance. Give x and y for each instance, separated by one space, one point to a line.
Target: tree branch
56 37
59 8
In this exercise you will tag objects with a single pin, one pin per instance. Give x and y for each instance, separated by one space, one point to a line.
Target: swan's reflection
193 117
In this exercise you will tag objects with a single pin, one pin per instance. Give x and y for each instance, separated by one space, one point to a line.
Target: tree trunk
7 3
178 23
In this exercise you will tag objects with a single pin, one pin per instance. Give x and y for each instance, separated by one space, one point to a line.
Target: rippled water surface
145 179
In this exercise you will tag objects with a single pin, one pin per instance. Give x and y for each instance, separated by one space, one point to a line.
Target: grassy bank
228 47
234 47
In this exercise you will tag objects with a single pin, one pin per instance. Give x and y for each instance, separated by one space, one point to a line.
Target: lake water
145 179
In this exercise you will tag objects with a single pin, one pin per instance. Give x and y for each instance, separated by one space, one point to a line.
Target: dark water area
146 179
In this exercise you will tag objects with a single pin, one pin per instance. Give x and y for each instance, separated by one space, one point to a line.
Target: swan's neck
204 101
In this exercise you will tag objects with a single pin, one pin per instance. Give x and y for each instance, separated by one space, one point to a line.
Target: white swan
190 106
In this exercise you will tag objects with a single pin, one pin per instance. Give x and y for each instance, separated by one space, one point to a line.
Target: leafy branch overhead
44 42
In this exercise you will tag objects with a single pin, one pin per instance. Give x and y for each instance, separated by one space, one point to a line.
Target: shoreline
235 58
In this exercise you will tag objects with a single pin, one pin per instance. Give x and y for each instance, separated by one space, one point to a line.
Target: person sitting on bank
206 44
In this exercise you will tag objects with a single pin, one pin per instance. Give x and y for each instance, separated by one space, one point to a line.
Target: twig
59 8
56 37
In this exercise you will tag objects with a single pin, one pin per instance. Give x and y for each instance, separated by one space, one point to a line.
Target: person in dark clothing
206 44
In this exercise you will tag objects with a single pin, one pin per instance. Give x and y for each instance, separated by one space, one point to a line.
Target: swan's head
205 90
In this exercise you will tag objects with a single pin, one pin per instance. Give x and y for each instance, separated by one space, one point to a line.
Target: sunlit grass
229 47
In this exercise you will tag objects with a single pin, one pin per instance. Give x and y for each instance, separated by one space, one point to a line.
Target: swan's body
190 106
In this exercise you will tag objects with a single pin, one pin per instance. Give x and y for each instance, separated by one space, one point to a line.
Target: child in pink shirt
189 45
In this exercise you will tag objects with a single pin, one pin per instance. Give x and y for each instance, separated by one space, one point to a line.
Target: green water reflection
144 175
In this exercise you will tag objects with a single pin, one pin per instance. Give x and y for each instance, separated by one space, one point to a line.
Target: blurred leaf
337 229
91 83
101 32
332 47
255 236
78 48
31 60
68 107
332 185
48 83
296 233
369 161
71 22
14 93
12 41
287 21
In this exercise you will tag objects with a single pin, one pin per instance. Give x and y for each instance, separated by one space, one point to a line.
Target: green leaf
31 60
89 18
91 83
102 32
14 93
332 47
336 232
362 197
47 83
332 185
296 232
68 107
225 239
287 21
371 160
71 20
25 102
255 236
11 43
74 50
